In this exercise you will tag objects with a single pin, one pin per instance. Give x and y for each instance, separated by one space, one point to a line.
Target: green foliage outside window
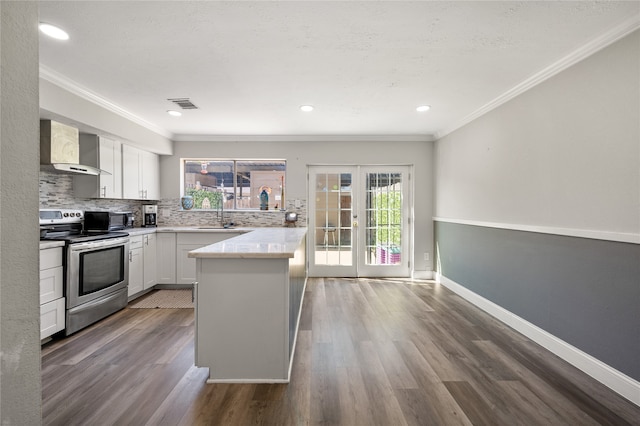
388 211
199 195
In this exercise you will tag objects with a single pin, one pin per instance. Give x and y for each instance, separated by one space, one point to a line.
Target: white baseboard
423 275
610 377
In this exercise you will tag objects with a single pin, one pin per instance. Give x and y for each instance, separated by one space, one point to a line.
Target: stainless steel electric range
96 267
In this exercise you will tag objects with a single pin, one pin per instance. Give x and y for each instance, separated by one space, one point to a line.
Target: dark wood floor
369 352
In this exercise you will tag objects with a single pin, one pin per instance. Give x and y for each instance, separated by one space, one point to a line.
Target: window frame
235 161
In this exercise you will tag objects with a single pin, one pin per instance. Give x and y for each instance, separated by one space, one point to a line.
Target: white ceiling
365 66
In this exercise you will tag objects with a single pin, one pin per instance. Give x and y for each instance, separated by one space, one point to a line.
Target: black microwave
104 221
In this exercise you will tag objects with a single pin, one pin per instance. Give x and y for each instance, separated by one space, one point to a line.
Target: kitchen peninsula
248 297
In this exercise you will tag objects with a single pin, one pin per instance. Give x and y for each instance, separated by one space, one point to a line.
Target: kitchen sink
214 227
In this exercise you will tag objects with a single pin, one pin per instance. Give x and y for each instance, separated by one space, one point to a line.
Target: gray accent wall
562 158
583 291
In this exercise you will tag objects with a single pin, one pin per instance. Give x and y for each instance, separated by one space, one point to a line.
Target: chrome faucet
220 210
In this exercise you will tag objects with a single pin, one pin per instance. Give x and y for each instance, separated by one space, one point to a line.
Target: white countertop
259 243
202 229
139 231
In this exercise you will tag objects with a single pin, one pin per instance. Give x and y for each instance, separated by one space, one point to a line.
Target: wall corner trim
620 237
610 377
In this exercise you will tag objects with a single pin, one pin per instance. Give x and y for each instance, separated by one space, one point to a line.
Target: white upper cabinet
105 154
150 167
131 186
140 174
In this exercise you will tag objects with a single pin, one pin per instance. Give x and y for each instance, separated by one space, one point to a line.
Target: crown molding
71 86
625 28
303 138
86 94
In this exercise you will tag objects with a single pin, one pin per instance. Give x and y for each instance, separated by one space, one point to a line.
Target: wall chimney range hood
60 150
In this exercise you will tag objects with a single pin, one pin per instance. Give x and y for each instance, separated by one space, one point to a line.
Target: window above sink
234 184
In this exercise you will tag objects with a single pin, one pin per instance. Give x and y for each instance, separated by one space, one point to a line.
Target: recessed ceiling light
306 108
423 108
53 31
174 113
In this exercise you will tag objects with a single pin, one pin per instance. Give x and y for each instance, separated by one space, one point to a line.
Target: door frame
358 172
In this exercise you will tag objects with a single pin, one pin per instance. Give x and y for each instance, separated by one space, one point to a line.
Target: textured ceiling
365 66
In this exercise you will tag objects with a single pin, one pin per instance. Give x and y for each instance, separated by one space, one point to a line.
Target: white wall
302 153
565 154
20 394
69 108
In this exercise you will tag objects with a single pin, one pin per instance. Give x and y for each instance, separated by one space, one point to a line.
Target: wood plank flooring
369 352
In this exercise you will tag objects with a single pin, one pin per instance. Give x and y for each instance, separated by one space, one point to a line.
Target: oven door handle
93 245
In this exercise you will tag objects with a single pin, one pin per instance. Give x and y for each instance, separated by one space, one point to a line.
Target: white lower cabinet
174 266
142 263
52 302
136 266
52 317
186 266
187 241
150 263
166 257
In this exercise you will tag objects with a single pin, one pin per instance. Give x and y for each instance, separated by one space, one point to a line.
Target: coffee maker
149 216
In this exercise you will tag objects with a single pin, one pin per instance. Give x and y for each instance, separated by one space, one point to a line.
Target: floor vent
184 103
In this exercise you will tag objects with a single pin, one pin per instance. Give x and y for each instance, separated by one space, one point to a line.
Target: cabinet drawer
52 317
50 258
135 242
50 284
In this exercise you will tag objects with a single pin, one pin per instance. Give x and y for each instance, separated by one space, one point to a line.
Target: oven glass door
100 269
96 269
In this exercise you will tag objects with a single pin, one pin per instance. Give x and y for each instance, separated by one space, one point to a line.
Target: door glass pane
383 216
333 212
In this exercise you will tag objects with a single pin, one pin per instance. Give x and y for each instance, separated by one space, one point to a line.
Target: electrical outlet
297 203
426 255
165 213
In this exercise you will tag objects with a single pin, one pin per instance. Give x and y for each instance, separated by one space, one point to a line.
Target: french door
359 221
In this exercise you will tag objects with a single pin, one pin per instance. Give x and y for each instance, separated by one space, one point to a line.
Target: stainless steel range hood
60 150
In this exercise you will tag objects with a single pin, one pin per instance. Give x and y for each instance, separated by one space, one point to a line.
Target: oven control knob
65 214
78 214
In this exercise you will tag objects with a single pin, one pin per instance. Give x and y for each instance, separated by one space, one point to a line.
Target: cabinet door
110 160
136 265
106 155
186 267
166 257
187 241
150 172
52 317
131 185
150 267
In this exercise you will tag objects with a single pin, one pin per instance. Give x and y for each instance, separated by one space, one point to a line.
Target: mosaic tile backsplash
56 191
171 214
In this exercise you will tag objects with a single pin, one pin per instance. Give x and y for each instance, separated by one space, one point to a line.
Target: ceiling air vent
183 103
